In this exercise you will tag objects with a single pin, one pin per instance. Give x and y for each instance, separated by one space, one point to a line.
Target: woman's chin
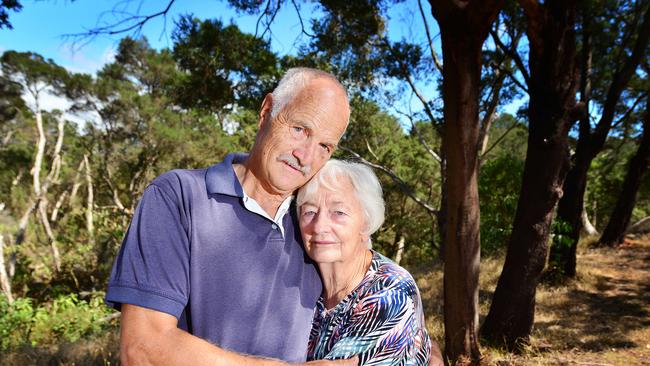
325 255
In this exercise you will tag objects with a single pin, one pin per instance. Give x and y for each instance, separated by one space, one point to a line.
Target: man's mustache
294 163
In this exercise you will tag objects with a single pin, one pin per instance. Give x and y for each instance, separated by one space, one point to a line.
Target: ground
601 318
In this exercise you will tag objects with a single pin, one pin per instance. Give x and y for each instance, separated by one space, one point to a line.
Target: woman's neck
340 278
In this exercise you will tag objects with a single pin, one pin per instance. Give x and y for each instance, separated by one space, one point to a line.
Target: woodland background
526 193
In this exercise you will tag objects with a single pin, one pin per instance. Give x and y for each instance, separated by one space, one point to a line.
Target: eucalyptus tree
606 72
619 220
38 77
552 110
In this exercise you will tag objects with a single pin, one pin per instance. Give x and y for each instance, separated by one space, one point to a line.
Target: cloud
87 60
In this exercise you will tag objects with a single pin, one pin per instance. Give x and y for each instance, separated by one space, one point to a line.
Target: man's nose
305 152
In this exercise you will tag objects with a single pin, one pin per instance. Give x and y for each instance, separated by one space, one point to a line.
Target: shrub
67 318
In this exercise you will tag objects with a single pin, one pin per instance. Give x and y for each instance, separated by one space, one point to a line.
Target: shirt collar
221 178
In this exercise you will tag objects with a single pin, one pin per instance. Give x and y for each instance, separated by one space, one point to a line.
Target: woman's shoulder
389 277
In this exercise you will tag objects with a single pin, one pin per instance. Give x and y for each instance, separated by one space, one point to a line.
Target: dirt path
601 319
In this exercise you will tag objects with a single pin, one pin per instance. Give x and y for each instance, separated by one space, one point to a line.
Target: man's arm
150 337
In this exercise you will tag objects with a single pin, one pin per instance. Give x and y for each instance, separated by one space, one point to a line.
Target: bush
67 318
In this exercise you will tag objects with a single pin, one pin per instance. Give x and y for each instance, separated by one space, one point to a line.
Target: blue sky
40 26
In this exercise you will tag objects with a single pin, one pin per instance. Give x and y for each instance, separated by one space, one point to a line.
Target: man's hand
354 361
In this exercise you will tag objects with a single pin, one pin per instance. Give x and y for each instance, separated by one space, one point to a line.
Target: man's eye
298 129
326 148
339 213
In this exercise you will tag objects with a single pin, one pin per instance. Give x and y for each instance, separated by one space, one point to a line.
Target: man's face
292 147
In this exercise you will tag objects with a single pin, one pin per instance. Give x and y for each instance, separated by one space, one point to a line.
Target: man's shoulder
179 179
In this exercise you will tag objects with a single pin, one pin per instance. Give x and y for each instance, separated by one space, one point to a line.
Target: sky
41 26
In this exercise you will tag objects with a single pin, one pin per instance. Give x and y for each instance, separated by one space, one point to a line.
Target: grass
602 318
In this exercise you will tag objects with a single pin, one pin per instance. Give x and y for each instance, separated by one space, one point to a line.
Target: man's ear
265 111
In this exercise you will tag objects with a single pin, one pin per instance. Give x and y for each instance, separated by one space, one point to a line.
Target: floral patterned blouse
381 321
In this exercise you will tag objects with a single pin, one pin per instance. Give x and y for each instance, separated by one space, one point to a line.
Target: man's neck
269 201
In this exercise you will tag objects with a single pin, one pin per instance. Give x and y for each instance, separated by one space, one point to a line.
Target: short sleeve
152 267
384 330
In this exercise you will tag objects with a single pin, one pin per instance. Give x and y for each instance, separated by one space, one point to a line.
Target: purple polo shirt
228 274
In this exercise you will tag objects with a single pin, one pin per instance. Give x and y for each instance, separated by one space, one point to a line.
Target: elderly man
211 271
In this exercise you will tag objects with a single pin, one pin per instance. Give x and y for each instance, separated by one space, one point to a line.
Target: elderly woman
370 306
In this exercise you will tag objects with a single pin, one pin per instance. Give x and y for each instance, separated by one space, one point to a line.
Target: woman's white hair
367 189
293 81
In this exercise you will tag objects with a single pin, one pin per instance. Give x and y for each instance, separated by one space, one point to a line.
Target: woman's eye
339 213
308 213
298 129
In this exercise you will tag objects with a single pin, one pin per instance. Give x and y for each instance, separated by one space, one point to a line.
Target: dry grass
601 318
102 351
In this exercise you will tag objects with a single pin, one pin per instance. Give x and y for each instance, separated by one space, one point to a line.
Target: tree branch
404 187
132 22
512 53
434 55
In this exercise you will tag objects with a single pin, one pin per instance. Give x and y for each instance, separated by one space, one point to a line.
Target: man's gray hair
293 81
367 190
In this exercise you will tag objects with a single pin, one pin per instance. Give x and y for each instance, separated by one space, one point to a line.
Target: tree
463 27
5 7
614 232
37 76
552 110
591 141
223 67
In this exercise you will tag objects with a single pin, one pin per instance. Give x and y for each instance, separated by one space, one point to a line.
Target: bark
588 228
490 113
20 235
552 89
57 206
5 283
464 27
40 150
400 249
76 183
614 233
42 214
90 227
590 143
638 226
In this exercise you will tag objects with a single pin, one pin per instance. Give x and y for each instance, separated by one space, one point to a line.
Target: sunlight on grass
600 318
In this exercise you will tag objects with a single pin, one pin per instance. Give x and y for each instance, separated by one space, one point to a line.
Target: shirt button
274 226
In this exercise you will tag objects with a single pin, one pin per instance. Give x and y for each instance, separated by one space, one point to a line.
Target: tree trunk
400 249
90 227
562 260
463 27
615 231
5 283
563 252
42 214
587 226
552 89
20 235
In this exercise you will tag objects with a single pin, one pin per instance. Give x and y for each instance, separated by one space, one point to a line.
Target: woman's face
332 224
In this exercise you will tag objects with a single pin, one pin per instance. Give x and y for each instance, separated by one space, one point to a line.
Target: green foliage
223 65
67 318
499 187
5 7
